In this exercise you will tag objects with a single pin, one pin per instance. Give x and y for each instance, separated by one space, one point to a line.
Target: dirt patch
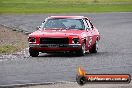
11 41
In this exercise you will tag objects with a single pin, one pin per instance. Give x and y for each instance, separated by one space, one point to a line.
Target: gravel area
10 38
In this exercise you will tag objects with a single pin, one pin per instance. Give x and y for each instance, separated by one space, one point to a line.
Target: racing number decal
90 41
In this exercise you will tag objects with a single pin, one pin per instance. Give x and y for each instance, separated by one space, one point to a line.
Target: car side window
86 25
89 24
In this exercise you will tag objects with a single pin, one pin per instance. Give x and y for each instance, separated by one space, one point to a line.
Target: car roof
74 17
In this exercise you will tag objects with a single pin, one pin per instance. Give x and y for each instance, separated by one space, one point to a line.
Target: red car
74 34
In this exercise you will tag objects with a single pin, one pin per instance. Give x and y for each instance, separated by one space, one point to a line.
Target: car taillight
32 40
75 41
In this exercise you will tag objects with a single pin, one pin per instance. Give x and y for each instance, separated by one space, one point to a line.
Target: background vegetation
64 6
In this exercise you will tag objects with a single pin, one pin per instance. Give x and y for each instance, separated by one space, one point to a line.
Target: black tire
33 53
80 80
82 51
94 49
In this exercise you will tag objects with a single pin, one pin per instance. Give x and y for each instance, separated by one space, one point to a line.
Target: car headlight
75 41
32 40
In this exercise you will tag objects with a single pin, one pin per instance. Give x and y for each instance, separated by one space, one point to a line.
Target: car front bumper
55 45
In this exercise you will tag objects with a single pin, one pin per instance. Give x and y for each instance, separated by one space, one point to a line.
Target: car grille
54 40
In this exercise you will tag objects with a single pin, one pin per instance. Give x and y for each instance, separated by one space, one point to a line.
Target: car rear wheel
94 49
33 53
82 51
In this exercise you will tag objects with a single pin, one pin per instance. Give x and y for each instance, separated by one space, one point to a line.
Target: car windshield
64 23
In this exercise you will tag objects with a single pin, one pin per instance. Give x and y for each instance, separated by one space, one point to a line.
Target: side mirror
88 29
37 28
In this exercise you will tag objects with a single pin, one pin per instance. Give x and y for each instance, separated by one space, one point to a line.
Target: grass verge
64 6
11 41
7 49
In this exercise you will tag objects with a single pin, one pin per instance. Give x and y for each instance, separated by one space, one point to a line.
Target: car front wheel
33 53
82 51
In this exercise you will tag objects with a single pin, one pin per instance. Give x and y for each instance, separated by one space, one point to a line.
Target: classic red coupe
73 34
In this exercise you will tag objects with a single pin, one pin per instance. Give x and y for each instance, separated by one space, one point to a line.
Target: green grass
64 6
7 49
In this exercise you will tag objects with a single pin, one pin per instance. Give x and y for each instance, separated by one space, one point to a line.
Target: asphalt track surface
114 56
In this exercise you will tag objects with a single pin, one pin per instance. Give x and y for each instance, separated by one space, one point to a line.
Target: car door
89 39
92 32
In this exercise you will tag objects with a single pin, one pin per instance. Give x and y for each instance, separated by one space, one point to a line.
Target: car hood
57 33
